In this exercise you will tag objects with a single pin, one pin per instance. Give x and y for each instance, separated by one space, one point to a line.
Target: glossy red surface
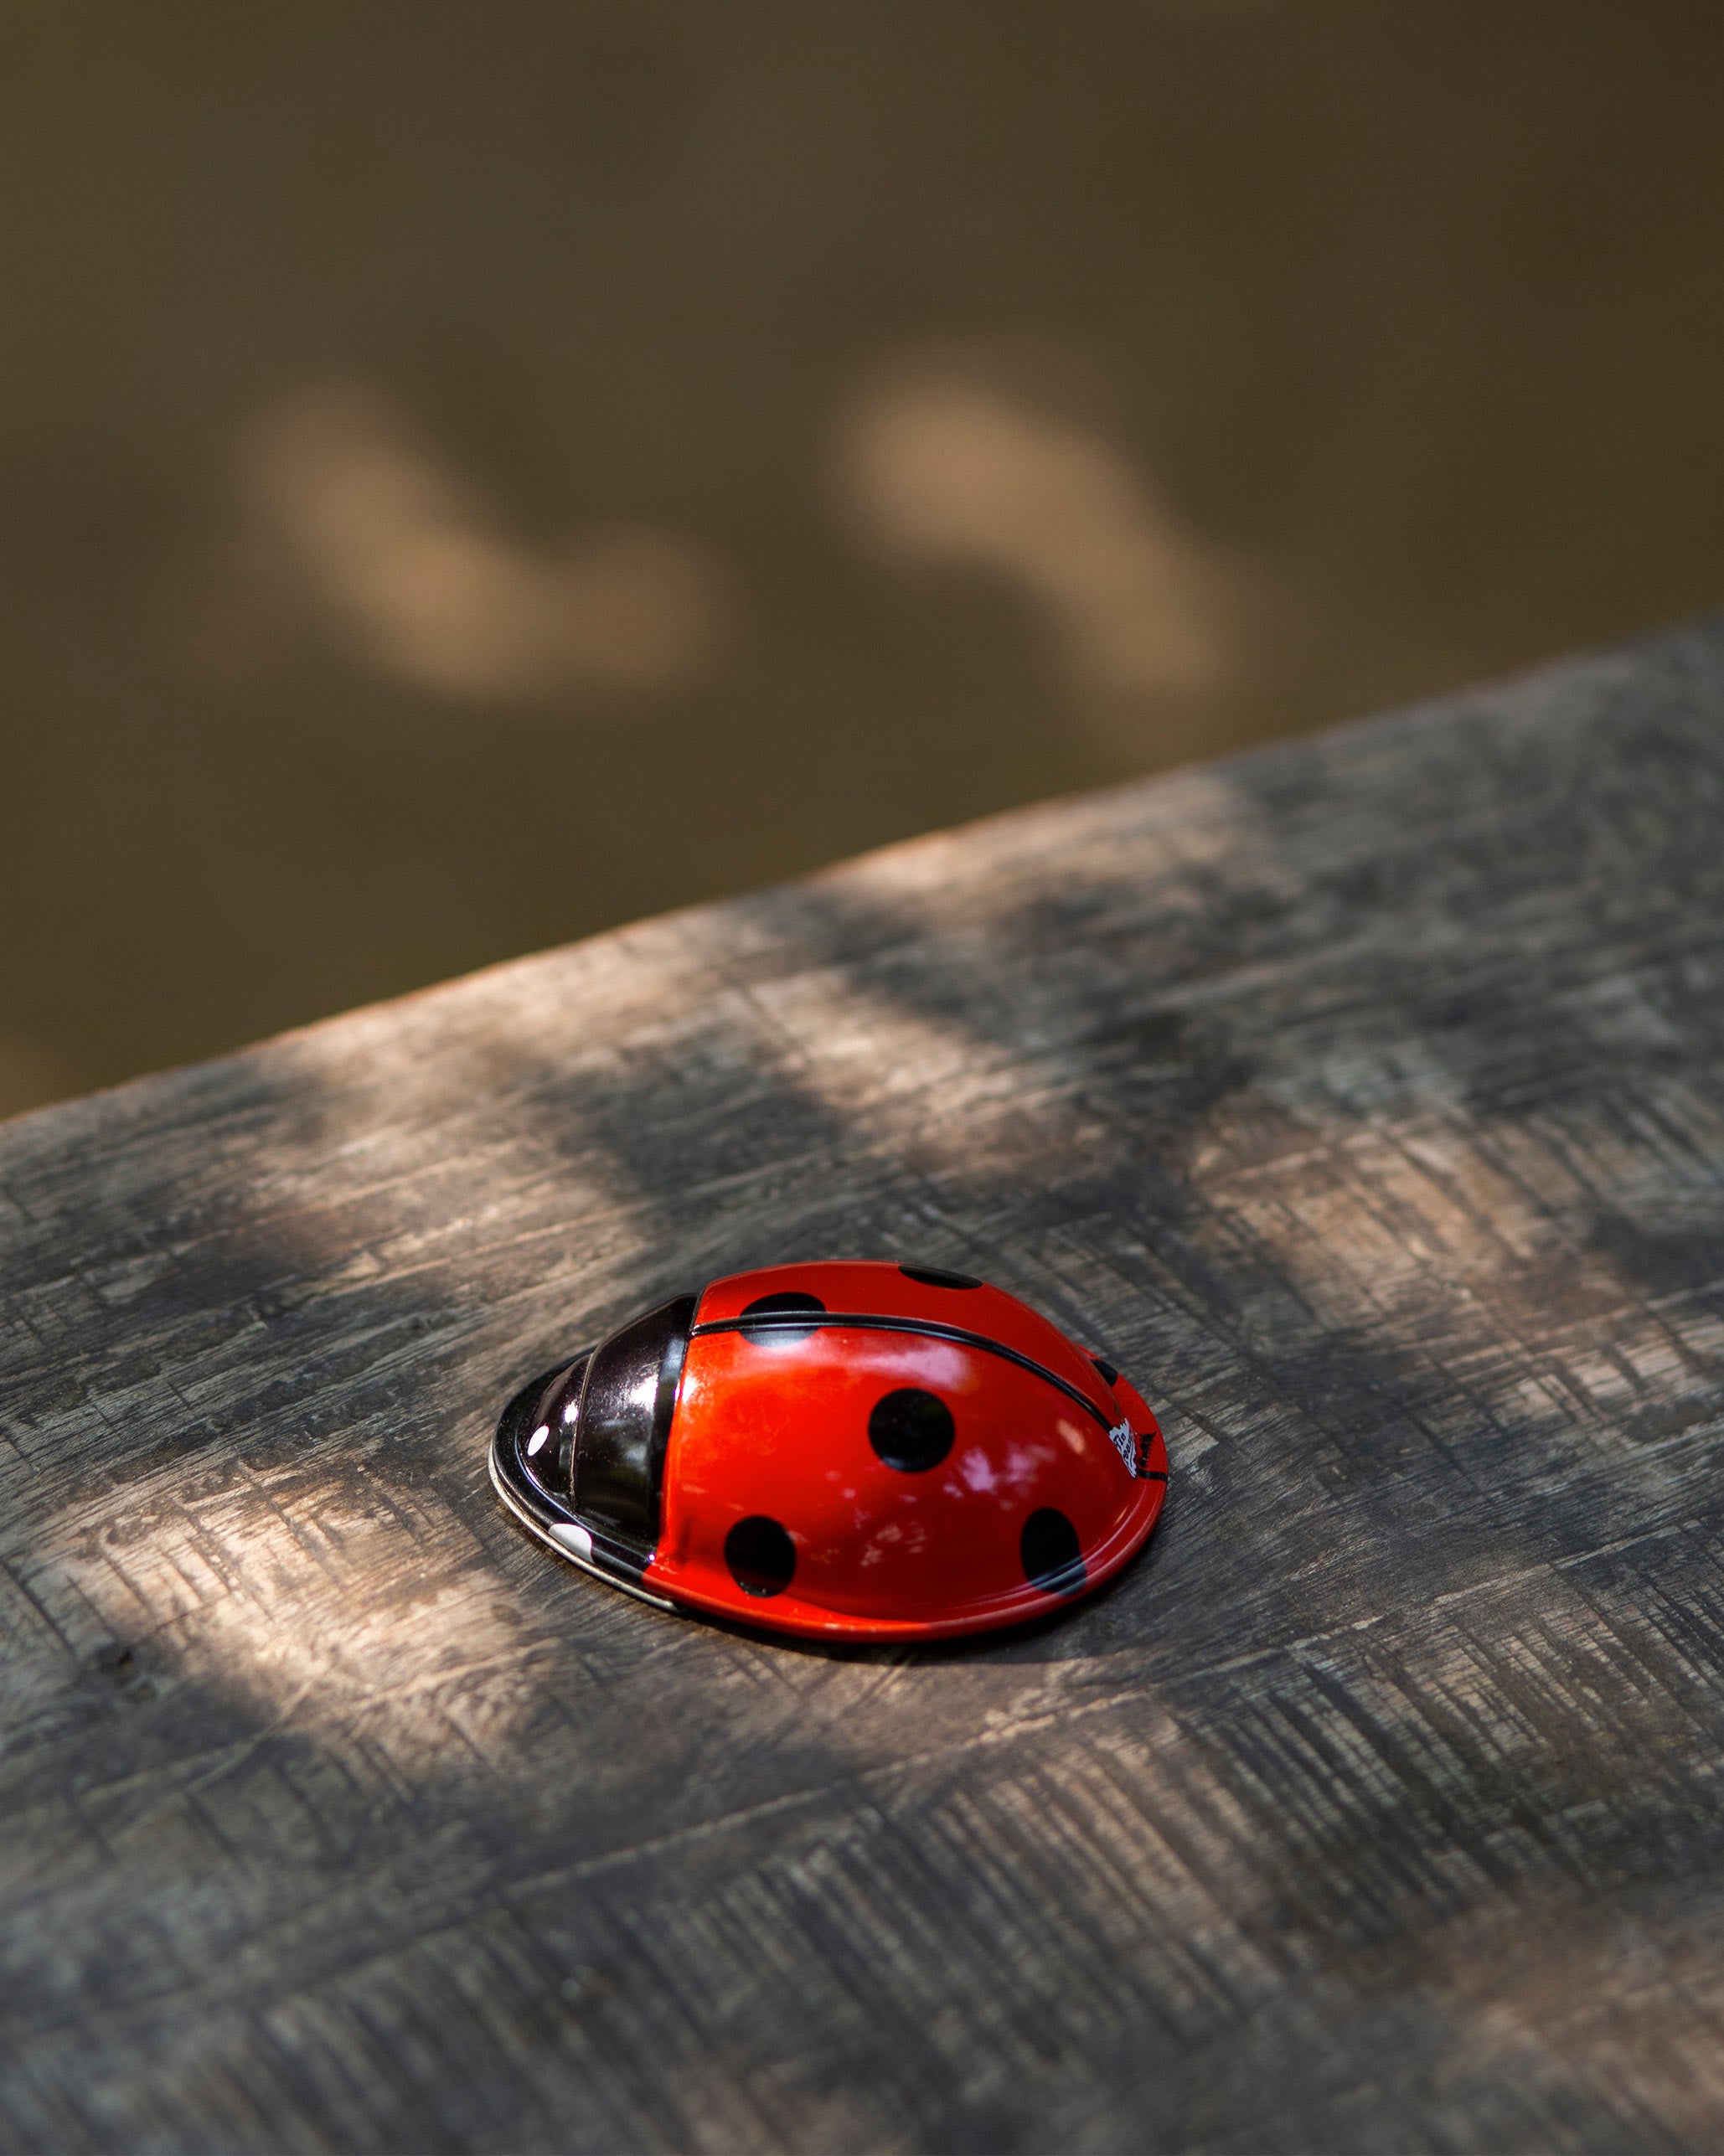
1030 1502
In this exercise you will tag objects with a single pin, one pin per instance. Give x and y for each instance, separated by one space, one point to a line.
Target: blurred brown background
470 476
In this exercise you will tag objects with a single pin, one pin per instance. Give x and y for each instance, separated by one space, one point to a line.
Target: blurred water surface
472 476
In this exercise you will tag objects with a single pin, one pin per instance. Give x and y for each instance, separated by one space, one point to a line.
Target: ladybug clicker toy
843 1450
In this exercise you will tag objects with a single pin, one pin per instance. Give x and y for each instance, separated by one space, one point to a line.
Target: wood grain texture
1363 1099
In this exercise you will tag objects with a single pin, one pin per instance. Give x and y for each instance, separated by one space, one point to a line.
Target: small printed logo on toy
1125 1443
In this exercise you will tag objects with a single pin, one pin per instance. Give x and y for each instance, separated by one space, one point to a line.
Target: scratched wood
1364 1099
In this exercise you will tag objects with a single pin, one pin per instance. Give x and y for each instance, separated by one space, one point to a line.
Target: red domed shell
871 1450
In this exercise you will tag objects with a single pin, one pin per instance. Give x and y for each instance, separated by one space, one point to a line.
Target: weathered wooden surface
1364 1098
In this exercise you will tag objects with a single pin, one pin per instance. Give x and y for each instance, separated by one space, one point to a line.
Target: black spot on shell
1109 1374
761 1556
787 1302
789 1298
1052 1560
931 1275
911 1430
